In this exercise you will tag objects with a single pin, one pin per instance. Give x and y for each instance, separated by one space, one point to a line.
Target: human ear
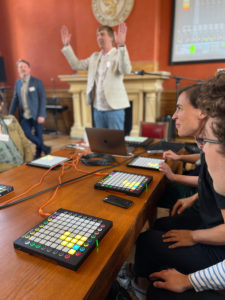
202 116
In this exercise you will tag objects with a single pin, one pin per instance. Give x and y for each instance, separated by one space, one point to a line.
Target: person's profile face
188 119
104 40
23 70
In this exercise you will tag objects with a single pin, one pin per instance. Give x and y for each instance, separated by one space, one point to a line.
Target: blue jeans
36 138
112 119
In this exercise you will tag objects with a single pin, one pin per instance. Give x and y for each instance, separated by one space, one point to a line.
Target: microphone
142 72
53 87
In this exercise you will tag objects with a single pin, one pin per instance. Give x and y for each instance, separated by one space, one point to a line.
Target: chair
53 106
154 130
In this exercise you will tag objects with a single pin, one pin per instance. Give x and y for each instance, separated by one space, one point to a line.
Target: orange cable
30 188
75 158
86 172
41 212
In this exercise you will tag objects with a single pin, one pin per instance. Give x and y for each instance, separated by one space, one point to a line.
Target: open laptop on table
109 141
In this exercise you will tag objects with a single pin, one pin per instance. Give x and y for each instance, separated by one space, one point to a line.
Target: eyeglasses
202 141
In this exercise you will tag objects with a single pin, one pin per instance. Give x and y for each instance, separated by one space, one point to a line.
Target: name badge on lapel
31 88
7 121
4 137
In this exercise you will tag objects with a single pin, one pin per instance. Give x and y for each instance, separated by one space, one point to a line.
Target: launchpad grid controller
5 189
138 141
146 162
129 183
66 237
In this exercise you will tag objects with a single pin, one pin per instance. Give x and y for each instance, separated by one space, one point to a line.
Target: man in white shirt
105 88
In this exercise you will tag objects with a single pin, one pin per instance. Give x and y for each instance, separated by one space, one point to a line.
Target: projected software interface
198 30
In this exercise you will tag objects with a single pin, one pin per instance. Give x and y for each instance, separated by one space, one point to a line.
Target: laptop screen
104 140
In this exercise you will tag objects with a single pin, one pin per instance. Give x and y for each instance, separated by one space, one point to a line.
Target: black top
211 203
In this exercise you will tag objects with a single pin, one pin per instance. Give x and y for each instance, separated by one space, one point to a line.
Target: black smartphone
118 201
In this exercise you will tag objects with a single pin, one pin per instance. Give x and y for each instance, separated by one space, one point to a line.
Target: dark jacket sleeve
15 101
36 98
42 100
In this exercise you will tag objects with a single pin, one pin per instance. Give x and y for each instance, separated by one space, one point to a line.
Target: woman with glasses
184 241
206 283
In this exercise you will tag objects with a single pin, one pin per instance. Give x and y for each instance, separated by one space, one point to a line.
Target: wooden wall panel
65 98
168 102
167 107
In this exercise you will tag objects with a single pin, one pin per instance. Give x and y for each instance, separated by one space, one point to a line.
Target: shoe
47 150
125 275
126 279
37 155
139 293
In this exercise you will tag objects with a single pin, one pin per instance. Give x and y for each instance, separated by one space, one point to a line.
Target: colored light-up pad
48 161
5 189
145 162
130 183
66 237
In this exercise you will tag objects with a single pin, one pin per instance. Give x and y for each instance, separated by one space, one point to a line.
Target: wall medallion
112 12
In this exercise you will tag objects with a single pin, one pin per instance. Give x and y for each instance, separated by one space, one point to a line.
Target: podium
144 92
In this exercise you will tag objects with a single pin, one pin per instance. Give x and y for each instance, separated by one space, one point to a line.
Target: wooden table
25 276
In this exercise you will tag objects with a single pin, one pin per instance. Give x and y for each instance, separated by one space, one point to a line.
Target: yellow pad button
64 243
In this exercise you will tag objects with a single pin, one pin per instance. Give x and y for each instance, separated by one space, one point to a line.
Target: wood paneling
168 103
65 98
167 106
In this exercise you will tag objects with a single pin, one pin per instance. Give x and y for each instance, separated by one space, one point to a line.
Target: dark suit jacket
36 98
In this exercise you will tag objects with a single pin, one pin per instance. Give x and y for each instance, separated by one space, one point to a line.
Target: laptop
109 141
163 146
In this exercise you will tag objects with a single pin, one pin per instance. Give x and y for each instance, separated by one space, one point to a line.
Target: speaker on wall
2 70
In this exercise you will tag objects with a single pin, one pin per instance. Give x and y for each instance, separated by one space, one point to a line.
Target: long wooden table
25 276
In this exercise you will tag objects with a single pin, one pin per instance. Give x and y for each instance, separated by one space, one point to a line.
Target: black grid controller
5 189
66 237
129 183
146 162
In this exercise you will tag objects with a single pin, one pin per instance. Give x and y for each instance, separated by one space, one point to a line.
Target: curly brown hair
212 102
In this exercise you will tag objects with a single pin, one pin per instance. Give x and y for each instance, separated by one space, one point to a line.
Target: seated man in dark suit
29 98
